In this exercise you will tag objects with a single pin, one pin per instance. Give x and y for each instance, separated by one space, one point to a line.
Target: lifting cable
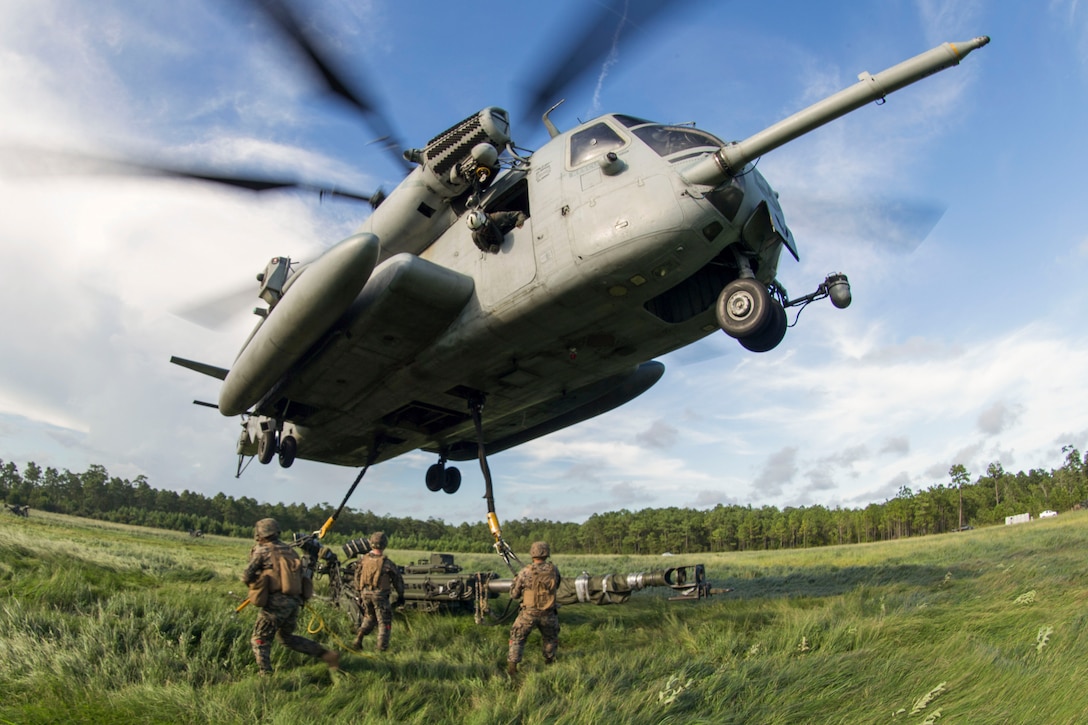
476 405
332 519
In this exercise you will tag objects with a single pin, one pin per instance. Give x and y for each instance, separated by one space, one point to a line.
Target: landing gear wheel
436 476
266 446
769 337
288 451
743 307
452 480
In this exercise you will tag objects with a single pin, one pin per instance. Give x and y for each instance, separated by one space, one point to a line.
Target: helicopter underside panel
406 304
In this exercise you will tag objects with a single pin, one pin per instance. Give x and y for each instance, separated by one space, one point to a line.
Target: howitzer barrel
730 159
688 581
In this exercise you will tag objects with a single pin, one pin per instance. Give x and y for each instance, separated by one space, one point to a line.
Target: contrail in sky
613 56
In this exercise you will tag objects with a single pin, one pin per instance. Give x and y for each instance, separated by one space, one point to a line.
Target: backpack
539 592
370 571
286 570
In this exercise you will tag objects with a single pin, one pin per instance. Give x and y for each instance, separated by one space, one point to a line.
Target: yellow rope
311 629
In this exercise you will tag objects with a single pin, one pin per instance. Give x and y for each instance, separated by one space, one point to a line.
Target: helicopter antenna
552 130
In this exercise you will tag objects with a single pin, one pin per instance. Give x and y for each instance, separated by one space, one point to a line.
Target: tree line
941 507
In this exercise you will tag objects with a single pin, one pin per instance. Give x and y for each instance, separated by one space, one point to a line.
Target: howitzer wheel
350 604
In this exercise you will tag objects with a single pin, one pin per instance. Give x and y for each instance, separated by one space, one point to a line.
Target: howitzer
439 583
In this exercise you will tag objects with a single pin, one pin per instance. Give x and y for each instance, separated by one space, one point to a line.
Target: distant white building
1017 519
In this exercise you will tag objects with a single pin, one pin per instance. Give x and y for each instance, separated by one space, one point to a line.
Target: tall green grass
107 623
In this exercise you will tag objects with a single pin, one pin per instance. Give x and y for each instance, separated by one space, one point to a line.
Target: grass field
108 623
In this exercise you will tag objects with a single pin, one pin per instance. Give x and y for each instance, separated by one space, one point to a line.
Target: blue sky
963 345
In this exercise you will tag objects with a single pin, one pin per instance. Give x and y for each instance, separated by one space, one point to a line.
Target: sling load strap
476 406
332 519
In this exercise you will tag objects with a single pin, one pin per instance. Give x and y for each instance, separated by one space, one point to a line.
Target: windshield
668 140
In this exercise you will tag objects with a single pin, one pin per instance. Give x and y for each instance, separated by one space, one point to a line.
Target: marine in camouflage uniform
535 586
279 616
376 576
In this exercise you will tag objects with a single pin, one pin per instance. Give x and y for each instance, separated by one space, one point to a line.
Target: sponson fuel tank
311 303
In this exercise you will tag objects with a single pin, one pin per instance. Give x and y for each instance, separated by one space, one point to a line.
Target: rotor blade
333 81
252 183
35 162
597 39
897 225
216 313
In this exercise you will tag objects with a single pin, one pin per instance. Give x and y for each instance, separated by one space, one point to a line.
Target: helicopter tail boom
730 160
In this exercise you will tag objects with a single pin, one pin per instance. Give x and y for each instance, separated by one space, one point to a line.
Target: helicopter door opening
509 265
508 193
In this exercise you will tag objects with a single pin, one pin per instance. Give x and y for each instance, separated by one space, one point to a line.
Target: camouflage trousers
278 619
376 611
548 623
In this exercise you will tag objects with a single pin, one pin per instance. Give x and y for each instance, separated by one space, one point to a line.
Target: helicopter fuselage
485 307
619 260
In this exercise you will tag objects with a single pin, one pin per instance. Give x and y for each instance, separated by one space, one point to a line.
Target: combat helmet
378 540
540 550
266 529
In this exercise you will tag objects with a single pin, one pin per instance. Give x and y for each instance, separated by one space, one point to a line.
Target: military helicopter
497 295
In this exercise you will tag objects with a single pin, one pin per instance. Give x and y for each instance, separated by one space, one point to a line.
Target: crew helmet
540 550
378 540
477 220
266 529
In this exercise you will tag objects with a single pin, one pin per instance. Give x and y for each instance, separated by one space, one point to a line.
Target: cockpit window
631 121
668 140
592 142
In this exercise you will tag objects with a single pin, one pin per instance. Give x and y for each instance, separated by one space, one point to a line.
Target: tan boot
512 670
332 659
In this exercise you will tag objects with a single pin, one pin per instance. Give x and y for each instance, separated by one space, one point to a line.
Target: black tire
436 476
769 337
266 446
288 451
453 480
743 308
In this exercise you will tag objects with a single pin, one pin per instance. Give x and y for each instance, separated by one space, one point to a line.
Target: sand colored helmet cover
540 550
